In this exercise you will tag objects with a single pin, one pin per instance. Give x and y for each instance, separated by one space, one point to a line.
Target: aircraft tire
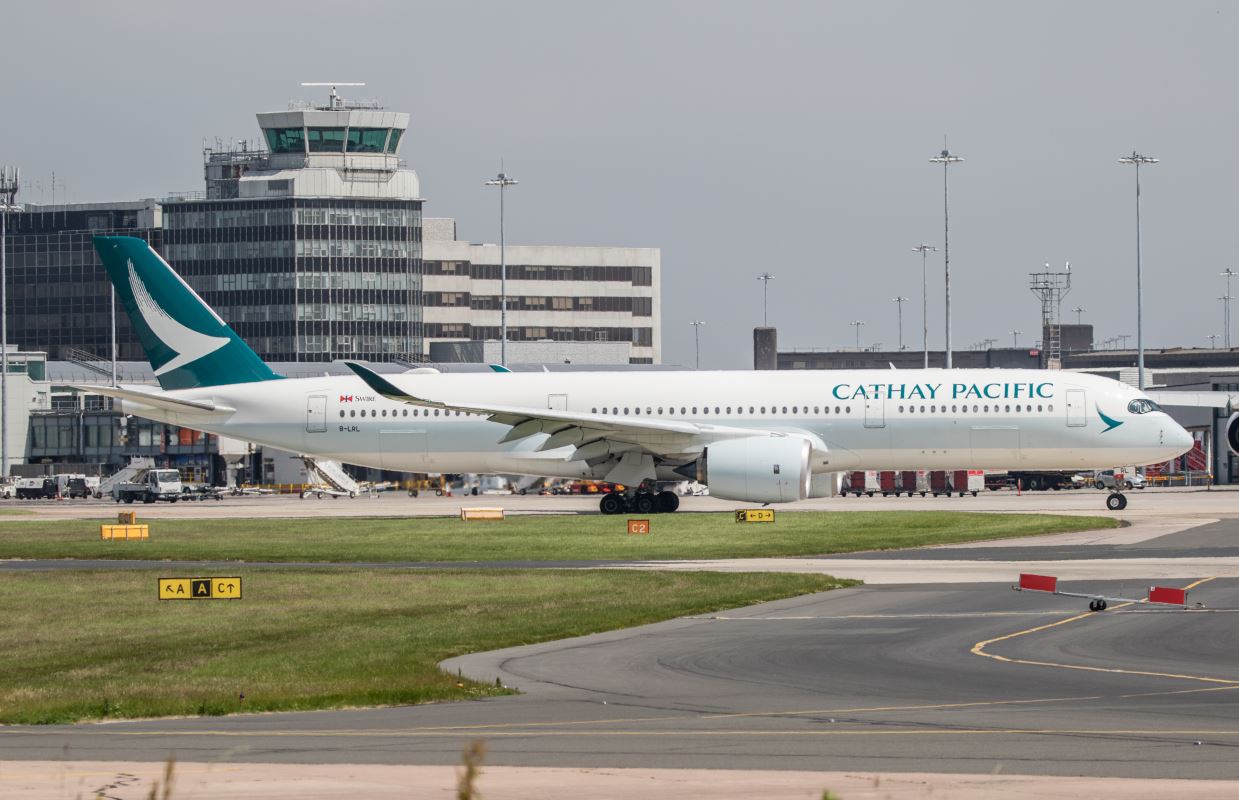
1116 502
612 503
643 503
668 502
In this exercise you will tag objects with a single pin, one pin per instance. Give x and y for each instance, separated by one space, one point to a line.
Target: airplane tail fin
185 340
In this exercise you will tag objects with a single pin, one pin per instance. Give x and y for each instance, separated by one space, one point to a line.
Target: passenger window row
688 411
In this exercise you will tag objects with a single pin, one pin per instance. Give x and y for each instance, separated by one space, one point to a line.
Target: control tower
310 247
342 149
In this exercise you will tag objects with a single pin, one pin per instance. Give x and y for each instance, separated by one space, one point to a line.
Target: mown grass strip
536 538
95 644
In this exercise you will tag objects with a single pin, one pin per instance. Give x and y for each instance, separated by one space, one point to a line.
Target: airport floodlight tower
924 250
503 181
697 340
1051 288
765 279
1213 341
1136 160
946 160
899 301
1228 273
1015 338
857 324
1078 310
10 178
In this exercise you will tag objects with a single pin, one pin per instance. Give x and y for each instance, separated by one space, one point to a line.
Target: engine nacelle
757 469
1232 433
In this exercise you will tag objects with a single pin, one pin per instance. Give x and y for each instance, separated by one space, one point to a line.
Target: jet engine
757 469
1232 433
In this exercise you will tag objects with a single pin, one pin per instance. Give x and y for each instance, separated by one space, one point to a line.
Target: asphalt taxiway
911 674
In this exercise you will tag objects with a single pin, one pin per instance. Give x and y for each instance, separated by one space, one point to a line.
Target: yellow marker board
755 515
199 588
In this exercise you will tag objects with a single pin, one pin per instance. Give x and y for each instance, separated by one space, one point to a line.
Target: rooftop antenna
335 100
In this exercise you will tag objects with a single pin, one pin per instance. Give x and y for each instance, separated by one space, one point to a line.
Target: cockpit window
1142 405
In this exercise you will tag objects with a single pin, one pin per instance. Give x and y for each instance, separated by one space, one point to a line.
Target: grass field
93 644
536 538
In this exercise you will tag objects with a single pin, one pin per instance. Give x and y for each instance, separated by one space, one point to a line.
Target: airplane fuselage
862 419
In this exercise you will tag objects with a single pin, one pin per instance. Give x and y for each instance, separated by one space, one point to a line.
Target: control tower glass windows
285 140
325 140
367 140
394 140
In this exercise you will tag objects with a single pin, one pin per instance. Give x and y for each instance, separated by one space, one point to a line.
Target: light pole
1015 338
1228 273
697 339
765 279
946 160
1213 341
899 301
858 324
503 181
924 250
10 177
1078 311
1226 298
1136 159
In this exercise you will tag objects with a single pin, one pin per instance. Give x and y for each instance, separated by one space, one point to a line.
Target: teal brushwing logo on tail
1110 423
187 343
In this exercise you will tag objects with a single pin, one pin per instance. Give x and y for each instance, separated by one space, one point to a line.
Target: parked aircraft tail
185 340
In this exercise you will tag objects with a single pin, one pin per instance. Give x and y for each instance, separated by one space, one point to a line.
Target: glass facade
306 279
332 140
58 293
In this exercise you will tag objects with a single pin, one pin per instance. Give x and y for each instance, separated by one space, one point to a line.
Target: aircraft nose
1178 439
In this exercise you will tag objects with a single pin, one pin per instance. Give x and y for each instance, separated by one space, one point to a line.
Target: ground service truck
150 486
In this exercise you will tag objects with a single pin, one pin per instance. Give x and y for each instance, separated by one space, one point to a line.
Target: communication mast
1051 287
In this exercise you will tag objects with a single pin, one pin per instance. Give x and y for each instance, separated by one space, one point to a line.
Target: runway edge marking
978 649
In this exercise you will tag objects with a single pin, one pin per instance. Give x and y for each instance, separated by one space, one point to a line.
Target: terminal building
312 246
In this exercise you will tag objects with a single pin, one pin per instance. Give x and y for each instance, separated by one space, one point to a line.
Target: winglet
383 386
499 368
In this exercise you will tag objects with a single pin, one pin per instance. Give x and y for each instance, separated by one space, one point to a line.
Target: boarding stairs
125 474
330 472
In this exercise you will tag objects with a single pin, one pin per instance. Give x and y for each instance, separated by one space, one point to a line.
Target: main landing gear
1097 604
1117 501
639 503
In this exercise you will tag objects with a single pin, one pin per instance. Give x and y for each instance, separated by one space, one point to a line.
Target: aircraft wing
1191 399
595 436
160 400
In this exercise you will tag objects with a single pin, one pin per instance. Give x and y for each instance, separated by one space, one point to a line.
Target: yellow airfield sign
199 588
755 515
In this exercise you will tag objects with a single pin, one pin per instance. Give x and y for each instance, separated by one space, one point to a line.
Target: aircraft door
875 413
557 402
316 413
1077 413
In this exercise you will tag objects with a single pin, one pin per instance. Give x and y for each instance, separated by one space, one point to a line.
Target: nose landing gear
1117 501
1097 604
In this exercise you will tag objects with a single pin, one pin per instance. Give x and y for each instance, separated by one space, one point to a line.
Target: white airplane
767 437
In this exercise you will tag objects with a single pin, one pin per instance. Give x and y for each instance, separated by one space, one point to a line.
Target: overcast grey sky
738 137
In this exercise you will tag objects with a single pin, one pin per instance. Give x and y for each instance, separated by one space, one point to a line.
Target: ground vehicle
149 486
36 488
1120 478
965 481
8 490
75 485
1031 481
